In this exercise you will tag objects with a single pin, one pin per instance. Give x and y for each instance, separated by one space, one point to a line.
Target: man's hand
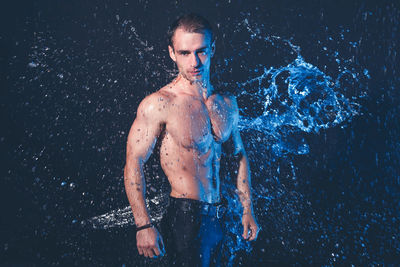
249 224
149 243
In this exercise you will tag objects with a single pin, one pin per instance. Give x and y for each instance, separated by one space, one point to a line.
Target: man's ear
212 48
172 53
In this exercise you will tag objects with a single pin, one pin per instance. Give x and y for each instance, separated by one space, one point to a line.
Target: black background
72 128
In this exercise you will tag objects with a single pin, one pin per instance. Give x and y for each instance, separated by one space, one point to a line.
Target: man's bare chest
196 124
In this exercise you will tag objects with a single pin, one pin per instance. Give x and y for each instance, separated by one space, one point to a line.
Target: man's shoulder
155 105
160 97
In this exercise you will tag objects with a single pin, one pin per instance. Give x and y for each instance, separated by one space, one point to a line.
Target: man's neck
201 89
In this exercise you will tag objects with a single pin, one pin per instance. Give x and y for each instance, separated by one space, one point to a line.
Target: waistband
209 209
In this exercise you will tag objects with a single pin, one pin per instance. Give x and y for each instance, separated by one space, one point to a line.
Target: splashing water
309 101
297 98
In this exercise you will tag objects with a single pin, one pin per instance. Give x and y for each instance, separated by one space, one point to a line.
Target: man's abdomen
192 174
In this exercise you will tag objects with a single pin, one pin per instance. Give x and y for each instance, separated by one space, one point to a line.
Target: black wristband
144 227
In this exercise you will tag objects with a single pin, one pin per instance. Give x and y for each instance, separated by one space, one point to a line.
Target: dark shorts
192 236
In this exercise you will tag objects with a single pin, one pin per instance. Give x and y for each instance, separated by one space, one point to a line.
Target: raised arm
243 181
141 140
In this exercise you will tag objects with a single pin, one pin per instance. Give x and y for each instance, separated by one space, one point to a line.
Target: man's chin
193 78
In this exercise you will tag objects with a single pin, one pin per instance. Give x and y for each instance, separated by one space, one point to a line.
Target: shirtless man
191 123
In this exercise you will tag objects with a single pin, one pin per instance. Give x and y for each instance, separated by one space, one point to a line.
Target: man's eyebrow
187 51
183 51
202 48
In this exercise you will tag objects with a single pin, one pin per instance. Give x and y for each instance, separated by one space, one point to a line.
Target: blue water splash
299 98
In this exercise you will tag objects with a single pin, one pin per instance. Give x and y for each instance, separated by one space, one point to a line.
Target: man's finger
150 253
145 253
254 233
160 248
245 231
156 251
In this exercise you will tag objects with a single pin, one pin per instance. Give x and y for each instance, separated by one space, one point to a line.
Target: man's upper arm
145 129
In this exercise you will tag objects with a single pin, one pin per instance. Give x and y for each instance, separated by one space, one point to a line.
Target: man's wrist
144 227
141 221
248 211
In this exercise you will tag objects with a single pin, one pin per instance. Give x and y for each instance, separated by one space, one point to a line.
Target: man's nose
194 60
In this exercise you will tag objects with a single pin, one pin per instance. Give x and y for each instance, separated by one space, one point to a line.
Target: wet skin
191 123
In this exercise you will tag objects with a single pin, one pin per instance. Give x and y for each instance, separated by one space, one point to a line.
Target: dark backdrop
74 72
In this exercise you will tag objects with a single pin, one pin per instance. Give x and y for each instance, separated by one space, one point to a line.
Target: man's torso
191 142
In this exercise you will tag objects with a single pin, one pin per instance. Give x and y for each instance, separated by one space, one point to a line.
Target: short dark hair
191 22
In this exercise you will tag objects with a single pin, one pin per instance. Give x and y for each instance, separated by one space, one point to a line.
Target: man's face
192 54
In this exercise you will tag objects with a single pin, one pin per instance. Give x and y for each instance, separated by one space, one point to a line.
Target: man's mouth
195 72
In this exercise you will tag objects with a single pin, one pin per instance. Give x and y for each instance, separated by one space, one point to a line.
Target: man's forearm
135 191
244 185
